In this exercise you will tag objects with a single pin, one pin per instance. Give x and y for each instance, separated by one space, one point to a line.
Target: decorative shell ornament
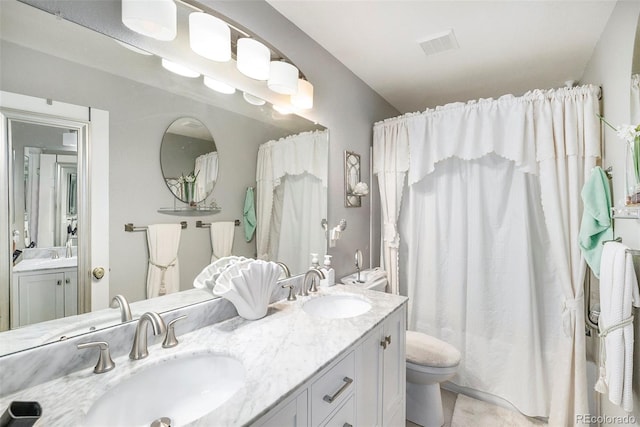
248 285
207 277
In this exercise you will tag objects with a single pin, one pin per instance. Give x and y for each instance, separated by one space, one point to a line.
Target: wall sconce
354 189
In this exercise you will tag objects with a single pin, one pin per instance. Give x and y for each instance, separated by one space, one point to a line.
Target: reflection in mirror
292 194
44 285
632 161
189 160
142 99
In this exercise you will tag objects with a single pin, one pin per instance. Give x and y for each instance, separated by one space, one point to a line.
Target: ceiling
508 46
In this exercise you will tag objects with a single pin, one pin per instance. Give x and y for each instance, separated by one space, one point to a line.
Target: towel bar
131 227
200 224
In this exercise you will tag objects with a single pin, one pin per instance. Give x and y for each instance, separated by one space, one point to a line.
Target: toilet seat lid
426 350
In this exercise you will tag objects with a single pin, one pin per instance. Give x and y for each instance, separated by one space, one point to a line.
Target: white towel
221 239
163 276
618 292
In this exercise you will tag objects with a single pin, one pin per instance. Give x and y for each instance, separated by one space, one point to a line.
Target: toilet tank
374 279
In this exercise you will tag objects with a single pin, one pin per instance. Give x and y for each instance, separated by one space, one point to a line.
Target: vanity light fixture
179 69
152 18
209 37
283 109
283 78
218 86
303 99
70 139
253 100
133 48
253 59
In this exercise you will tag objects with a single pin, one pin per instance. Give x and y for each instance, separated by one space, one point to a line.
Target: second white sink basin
337 306
182 390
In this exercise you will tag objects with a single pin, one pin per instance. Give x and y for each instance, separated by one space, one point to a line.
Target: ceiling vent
439 42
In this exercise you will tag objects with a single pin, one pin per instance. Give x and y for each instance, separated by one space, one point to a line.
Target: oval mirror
189 160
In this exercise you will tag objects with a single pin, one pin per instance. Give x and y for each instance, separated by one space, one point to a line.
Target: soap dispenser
315 263
329 272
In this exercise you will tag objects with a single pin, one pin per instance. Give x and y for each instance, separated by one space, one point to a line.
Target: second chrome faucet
139 349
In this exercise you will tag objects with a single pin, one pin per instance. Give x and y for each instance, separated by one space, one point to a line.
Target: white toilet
430 361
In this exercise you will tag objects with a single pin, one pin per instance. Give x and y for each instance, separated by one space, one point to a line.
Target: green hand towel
596 226
249 214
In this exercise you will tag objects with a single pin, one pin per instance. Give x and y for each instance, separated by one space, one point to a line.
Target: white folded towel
163 276
221 239
618 292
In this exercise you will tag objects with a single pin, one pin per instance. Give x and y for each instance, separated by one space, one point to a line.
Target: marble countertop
50 331
37 264
279 352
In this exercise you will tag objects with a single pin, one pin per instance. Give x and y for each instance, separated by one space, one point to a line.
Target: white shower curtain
291 190
477 269
206 167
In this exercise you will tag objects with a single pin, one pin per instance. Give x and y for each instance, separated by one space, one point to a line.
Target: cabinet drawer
345 417
333 388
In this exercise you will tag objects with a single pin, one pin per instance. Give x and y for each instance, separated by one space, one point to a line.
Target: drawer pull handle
347 425
388 339
347 383
59 283
383 343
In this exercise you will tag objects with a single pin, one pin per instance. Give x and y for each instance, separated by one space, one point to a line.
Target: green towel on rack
249 214
596 225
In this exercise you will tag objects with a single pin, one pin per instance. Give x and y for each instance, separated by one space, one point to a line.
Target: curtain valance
297 154
516 128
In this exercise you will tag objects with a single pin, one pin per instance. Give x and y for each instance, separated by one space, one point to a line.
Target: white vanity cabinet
381 373
364 387
38 296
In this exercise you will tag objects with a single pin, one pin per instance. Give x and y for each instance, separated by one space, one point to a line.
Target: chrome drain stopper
162 422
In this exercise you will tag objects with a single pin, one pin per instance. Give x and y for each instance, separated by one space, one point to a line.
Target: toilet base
424 404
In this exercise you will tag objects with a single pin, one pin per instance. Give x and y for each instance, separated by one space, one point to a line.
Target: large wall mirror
632 162
44 56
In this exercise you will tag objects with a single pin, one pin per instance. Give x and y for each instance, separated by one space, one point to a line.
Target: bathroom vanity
43 289
294 367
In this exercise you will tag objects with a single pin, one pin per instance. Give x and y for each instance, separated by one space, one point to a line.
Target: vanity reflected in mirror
143 100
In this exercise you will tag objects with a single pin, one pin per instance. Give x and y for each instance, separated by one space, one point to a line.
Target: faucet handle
292 291
105 363
170 339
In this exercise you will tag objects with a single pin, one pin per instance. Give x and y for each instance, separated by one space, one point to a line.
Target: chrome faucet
139 349
125 310
287 272
309 274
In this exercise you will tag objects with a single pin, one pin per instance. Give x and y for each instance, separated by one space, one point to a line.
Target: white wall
610 67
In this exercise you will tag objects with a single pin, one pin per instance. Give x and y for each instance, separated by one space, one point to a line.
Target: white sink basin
182 390
337 306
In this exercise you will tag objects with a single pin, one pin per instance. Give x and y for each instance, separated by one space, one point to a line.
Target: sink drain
162 422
